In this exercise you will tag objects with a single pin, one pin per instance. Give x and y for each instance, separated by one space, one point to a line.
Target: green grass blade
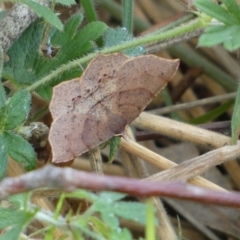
127 15
91 15
213 114
235 123
150 225
89 10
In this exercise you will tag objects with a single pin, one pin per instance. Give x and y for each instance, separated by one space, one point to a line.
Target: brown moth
112 92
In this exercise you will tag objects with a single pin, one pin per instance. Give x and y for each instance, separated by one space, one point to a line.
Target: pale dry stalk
161 162
96 160
181 131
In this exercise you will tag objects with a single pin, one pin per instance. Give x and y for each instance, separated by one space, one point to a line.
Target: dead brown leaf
112 92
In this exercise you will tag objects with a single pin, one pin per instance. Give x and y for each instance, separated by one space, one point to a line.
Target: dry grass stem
197 103
161 162
181 131
136 167
196 166
96 160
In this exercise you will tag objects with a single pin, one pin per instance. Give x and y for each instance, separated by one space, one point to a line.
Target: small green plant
19 213
224 26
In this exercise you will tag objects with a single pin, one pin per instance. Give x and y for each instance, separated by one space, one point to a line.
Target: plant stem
168 101
127 15
116 10
149 39
91 15
150 225
89 10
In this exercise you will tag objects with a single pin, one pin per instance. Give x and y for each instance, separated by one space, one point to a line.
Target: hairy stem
149 39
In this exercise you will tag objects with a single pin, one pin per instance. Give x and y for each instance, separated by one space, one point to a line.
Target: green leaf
233 8
216 11
81 44
27 66
119 234
20 150
19 200
117 36
130 210
15 220
113 145
17 109
10 217
13 233
24 57
226 35
235 123
3 157
70 28
110 197
234 42
99 226
2 96
44 12
67 3
109 218
45 92
215 35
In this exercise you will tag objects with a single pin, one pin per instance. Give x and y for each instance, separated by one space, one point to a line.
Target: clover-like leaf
17 109
20 150
216 11
42 11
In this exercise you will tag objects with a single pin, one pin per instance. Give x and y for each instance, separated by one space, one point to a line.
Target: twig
197 103
69 179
